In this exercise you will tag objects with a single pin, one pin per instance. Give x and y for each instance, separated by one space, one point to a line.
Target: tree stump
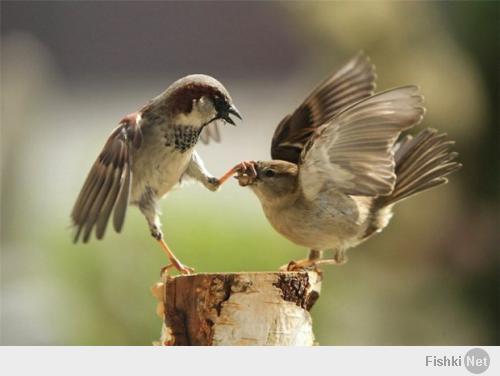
227 309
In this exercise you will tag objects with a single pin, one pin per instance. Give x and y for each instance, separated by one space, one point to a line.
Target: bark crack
294 288
227 283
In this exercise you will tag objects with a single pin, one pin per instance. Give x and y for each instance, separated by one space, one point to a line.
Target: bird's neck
277 201
201 113
191 120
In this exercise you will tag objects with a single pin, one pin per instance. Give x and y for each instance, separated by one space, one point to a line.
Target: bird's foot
247 173
213 183
181 268
164 271
308 264
299 265
240 168
174 261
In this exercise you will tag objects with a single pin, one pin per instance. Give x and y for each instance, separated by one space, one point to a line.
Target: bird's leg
308 263
314 260
148 207
174 261
196 170
339 257
314 254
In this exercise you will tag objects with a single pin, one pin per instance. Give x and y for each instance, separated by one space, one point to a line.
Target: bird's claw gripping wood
308 264
174 262
298 265
183 269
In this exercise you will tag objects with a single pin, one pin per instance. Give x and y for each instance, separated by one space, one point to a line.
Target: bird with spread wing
148 154
339 164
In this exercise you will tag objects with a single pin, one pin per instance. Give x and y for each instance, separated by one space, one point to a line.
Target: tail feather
422 162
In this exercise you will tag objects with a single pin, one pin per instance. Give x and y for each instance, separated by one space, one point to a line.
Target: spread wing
353 82
354 152
107 186
210 132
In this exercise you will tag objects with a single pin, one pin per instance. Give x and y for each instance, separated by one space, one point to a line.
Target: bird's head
274 182
197 100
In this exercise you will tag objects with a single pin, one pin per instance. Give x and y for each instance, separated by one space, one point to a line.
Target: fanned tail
422 162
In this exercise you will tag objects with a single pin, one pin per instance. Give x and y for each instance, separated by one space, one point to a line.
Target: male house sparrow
337 169
149 152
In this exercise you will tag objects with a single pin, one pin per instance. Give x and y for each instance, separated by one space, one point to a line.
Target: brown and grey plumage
149 152
107 186
350 170
422 162
351 83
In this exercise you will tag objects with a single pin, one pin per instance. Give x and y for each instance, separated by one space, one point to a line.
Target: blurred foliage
432 278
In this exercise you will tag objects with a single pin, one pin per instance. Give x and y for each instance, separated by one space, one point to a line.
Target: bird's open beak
232 110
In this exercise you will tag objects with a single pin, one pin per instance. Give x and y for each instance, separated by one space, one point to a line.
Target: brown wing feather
355 151
422 162
350 84
107 186
122 201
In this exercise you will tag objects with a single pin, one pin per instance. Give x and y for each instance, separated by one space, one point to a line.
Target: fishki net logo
476 360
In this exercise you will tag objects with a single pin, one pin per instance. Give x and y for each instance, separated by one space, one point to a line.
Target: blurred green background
71 70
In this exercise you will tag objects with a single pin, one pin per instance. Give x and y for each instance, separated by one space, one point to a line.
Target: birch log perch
238 308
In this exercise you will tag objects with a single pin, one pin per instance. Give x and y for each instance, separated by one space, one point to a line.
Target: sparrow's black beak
232 110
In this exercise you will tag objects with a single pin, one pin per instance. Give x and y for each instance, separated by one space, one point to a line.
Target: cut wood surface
238 308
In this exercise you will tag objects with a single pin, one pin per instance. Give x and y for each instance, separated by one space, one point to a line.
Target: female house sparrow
337 170
149 152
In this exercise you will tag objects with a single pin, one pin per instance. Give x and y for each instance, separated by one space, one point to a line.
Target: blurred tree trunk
238 308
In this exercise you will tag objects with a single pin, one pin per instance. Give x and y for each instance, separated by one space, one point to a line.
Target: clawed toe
308 264
247 168
186 269
182 269
287 267
299 265
165 269
240 169
247 172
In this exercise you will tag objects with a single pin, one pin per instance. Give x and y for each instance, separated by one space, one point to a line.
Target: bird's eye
219 102
269 173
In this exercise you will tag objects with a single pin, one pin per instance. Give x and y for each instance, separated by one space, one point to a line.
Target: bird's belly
315 228
159 168
306 234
